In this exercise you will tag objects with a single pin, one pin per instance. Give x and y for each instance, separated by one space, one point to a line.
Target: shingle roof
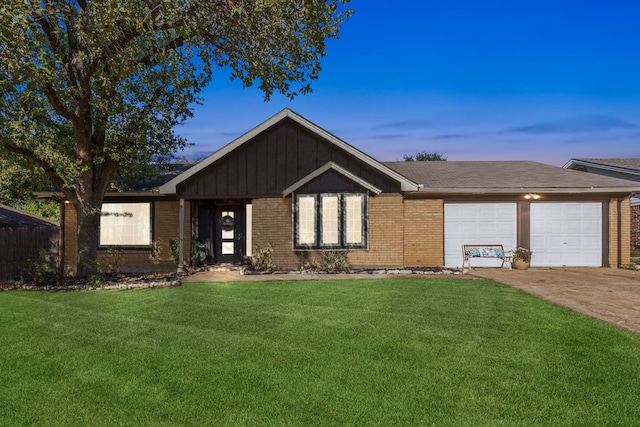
13 218
631 163
503 175
158 175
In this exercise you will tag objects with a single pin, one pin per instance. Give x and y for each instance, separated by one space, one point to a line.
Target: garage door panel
478 223
566 234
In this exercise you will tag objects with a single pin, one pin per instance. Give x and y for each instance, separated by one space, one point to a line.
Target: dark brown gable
272 161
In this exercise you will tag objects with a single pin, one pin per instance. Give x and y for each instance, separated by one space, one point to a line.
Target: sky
541 80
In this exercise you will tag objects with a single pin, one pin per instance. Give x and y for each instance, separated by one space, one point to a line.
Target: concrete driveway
608 294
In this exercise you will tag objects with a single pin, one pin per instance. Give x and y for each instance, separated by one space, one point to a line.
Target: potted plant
521 258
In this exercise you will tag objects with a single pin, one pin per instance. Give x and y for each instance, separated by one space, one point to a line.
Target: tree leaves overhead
121 74
89 88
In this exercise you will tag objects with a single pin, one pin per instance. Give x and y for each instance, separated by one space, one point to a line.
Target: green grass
372 352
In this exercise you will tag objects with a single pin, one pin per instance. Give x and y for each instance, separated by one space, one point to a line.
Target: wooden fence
21 245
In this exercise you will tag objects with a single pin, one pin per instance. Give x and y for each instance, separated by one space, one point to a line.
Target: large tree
89 88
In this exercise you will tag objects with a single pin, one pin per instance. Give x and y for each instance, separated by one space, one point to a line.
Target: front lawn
442 352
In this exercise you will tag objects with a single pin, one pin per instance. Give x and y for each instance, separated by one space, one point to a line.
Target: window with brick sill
330 221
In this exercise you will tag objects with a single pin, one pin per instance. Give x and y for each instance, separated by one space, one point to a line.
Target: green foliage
91 89
156 252
424 157
44 208
198 252
114 253
17 184
43 266
261 259
174 249
334 260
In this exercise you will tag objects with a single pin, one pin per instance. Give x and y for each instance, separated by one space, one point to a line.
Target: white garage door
477 224
566 234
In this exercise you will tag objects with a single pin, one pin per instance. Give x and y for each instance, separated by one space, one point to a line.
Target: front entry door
229 239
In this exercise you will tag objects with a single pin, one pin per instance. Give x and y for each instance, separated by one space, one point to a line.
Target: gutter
542 190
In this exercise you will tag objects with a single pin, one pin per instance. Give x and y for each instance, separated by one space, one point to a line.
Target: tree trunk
88 229
87 199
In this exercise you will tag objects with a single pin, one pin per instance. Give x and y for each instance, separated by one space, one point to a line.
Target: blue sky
473 80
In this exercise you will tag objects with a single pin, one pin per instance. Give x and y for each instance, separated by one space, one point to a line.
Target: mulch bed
101 282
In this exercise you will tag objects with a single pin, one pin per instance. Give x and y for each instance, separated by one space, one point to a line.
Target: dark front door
229 239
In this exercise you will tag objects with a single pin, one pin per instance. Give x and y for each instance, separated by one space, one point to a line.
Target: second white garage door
566 234
478 224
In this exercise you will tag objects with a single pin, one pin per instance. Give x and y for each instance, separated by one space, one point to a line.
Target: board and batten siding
273 161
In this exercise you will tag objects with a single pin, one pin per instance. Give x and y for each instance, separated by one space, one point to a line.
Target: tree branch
57 104
32 158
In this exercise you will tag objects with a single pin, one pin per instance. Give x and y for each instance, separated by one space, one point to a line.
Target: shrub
334 260
261 259
174 249
198 252
114 253
156 250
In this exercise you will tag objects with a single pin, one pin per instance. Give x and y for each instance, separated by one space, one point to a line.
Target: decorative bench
484 251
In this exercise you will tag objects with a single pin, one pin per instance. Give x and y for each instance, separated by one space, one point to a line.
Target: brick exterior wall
386 231
635 227
423 232
165 227
401 233
272 223
625 233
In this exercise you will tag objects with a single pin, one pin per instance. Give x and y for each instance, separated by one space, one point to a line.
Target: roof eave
618 169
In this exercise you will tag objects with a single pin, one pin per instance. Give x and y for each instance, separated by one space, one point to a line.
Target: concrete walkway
608 294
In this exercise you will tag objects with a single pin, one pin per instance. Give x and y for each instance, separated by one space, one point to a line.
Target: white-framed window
330 221
125 224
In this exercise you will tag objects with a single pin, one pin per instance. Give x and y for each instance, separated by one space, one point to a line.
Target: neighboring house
22 238
293 185
617 168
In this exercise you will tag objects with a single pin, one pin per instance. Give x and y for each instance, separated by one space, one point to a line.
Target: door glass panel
227 231
227 248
